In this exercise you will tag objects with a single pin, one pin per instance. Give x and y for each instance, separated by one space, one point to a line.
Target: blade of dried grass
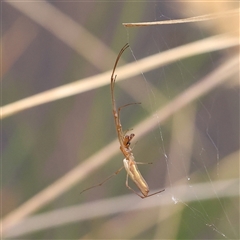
217 77
27 31
106 207
67 30
205 17
131 69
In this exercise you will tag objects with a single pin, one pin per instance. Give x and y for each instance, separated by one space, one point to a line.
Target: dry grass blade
132 69
66 29
214 79
60 186
206 17
106 207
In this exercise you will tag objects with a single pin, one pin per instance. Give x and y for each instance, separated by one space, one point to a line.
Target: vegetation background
58 136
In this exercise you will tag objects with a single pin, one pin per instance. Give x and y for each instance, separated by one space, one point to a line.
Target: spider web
194 147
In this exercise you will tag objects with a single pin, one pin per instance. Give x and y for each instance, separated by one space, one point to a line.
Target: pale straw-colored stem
129 70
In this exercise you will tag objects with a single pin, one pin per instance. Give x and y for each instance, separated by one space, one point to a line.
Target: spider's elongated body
125 141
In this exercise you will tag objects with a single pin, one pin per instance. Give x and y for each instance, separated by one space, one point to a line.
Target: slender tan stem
131 69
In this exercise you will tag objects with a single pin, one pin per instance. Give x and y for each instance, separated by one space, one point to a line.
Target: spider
125 141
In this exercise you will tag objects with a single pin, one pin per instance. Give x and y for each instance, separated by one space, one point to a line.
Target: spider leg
100 184
132 189
126 139
155 193
120 108
118 57
113 78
